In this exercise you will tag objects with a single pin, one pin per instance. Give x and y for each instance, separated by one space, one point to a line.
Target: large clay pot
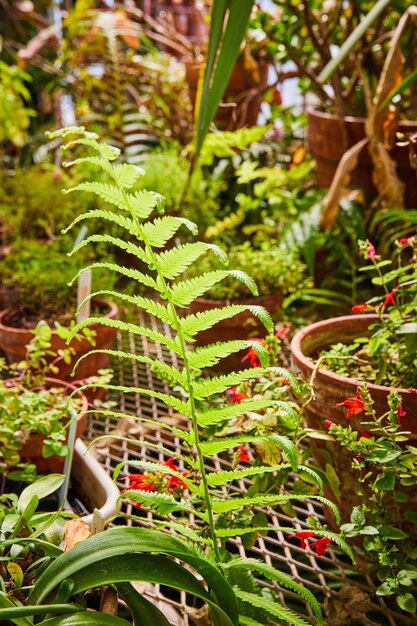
32 449
331 389
242 326
13 342
246 109
325 140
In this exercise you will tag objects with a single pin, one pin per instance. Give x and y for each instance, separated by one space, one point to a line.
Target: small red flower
364 434
252 356
139 482
370 250
235 396
243 455
390 297
171 464
320 545
175 482
407 240
358 308
282 333
328 423
400 413
303 535
354 405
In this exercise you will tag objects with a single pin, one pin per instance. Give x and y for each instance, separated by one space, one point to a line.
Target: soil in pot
15 334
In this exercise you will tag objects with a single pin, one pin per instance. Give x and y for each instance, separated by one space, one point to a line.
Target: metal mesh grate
330 578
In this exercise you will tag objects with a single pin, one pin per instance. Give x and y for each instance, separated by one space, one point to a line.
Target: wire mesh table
346 594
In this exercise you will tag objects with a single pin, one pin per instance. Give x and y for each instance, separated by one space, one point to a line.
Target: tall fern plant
147 230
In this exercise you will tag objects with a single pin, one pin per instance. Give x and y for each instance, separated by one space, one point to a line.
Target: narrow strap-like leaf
143 611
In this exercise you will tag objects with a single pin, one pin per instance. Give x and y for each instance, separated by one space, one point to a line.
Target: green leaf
143 611
407 602
218 384
386 482
87 618
174 262
162 229
127 246
6 604
141 278
22 611
390 532
216 415
223 477
41 488
207 356
333 480
284 614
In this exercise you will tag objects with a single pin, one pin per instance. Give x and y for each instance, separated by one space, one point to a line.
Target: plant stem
187 368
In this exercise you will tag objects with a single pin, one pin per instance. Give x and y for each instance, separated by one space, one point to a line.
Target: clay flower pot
13 342
331 389
32 449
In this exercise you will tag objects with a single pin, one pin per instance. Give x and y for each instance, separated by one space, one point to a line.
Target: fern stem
177 328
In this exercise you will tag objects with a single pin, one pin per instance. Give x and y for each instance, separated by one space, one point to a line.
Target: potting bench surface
346 594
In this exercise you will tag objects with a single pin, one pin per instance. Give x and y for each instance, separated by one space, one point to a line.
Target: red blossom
400 413
358 308
235 396
243 455
320 545
282 333
139 482
171 464
303 535
364 434
252 356
407 241
390 297
175 482
328 423
370 250
354 405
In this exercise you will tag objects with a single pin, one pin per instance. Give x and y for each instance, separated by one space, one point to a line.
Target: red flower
140 482
364 434
355 405
390 297
320 545
243 455
282 332
171 464
252 356
370 250
235 396
358 308
400 413
303 535
407 240
175 482
328 423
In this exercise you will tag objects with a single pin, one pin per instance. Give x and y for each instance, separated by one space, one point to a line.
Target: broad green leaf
41 488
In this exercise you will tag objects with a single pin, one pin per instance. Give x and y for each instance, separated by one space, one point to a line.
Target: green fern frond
162 229
216 446
159 367
207 356
142 203
185 531
148 444
174 262
195 323
232 504
121 220
282 579
179 405
315 475
244 620
111 153
107 192
222 477
285 615
280 371
125 271
218 384
161 503
127 246
288 410
93 160
186 291
126 174
128 327
185 435
289 449
214 416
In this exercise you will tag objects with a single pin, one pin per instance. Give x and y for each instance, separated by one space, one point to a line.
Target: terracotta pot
241 326
331 389
32 449
325 143
246 111
13 342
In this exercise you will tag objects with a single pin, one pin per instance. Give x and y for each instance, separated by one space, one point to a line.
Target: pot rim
298 354
112 313
352 119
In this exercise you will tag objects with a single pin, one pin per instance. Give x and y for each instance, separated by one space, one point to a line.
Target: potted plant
337 355
53 300
342 54
126 554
